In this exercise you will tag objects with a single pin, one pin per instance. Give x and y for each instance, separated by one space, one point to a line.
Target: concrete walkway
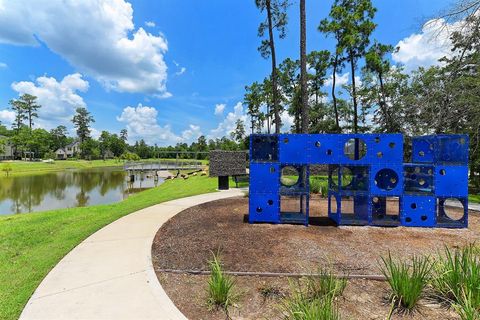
110 274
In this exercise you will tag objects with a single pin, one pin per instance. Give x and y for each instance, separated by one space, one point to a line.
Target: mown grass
32 244
22 168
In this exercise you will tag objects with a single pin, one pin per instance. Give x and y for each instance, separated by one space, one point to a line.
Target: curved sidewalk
110 274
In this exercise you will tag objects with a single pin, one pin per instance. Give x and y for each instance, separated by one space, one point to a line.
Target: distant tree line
28 142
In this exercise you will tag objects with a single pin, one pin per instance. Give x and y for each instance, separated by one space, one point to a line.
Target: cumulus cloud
58 99
425 48
97 37
227 125
219 108
141 123
150 24
7 117
340 80
3 65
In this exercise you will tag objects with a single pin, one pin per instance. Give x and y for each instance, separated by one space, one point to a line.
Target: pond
68 189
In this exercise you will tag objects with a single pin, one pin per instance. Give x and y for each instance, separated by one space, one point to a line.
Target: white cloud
227 125
150 24
7 117
3 65
425 48
192 133
182 71
58 99
141 123
340 80
219 108
97 37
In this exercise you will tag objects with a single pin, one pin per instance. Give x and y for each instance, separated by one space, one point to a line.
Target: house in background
69 151
8 153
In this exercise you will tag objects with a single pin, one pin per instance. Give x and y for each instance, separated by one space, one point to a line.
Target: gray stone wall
227 163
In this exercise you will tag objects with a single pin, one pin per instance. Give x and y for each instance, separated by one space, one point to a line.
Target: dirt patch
187 240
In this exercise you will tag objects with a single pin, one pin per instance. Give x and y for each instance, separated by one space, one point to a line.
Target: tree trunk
274 69
303 67
354 94
334 97
383 104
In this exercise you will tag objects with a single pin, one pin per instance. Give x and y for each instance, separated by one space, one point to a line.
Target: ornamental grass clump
221 287
314 297
457 280
325 284
407 280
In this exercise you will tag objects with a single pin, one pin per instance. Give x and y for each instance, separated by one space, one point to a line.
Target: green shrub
315 185
221 287
407 281
7 168
457 276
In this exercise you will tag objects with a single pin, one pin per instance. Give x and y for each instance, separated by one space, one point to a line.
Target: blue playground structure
368 182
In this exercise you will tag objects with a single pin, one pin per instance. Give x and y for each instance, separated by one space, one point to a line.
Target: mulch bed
187 241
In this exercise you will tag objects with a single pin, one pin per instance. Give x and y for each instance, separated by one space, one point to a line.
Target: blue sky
167 70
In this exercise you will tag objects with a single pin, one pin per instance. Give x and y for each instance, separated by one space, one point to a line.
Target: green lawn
32 244
474 198
21 168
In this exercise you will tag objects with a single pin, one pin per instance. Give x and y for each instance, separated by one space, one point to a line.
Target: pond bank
32 244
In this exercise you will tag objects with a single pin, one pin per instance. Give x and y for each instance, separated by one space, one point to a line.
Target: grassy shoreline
32 244
24 168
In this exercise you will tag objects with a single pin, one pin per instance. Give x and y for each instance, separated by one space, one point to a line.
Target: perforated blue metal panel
418 211
264 207
386 179
324 148
444 207
263 148
451 180
419 179
423 149
264 177
387 148
293 148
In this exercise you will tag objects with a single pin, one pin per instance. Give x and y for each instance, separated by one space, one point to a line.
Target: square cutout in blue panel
264 207
385 211
452 212
418 211
292 148
451 181
264 177
386 180
348 179
324 148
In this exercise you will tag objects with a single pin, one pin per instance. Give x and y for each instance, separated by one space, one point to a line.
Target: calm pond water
67 189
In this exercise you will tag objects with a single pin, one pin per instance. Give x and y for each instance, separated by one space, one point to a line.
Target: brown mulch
188 240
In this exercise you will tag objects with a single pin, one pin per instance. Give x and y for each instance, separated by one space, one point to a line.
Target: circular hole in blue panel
443 172
408 219
423 218
413 206
391 145
355 149
318 144
329 152
259 209
270 202
386 179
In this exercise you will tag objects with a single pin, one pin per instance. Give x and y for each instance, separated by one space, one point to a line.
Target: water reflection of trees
30 191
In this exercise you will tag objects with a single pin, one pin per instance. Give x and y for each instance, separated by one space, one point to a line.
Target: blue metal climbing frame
368 183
